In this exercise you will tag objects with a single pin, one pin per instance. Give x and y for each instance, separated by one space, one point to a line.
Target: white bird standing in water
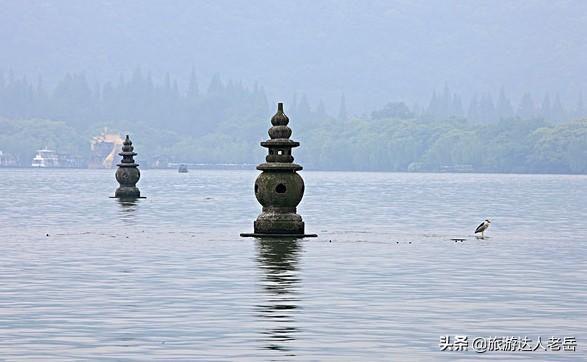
481 228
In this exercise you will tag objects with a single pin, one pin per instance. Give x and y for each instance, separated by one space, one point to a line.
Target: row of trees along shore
223 122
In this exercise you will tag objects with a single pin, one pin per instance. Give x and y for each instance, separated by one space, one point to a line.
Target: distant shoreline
252 167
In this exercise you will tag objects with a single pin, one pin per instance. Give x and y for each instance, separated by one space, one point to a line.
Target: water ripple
84 277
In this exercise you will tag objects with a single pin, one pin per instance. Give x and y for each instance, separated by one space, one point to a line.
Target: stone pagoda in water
128 173
279 188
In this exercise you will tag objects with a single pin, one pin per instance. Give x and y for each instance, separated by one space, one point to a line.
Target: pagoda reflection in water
278 260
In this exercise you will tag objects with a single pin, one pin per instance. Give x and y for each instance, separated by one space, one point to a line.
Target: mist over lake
388 85
306 180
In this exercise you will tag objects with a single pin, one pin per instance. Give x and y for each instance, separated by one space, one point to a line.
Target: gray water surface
85 277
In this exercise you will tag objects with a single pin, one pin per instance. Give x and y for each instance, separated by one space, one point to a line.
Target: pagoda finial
279 119
127 145
279 122
127 152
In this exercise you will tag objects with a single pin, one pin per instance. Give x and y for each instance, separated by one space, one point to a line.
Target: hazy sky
373 51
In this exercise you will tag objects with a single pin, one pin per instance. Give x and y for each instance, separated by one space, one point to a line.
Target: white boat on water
46 158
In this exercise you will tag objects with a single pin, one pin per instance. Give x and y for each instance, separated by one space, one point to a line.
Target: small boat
45 158
182 169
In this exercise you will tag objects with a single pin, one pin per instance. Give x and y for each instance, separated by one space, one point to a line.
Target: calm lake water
169 278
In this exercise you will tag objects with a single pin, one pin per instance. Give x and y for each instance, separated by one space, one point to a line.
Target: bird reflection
127 209
278 259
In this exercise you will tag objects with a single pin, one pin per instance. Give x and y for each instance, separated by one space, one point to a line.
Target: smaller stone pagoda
279 188
127 173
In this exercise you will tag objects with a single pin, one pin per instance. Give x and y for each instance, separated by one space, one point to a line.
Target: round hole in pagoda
280 152
280 189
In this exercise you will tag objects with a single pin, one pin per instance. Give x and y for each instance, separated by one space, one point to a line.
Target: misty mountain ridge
139 97
378 85
371 51
225 122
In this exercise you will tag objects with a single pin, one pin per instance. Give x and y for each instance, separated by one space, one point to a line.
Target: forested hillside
224 121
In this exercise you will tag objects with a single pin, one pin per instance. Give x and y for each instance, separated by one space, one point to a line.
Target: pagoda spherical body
127 175
279 189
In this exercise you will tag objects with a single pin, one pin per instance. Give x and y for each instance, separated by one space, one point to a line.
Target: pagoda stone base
128 193
272 224
274 236
279 223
